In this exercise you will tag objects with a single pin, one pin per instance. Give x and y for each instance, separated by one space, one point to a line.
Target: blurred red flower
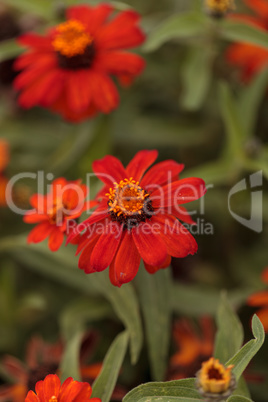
51 390
250 58
260 299
137 217
68 70
193 344
64 202
4 159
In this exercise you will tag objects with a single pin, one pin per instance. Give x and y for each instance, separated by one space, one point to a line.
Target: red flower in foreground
4 159
65 202
51 390
68 70
260 299
137 217
250 58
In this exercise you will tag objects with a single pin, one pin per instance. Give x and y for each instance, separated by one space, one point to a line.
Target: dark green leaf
239 31
181 390
242 358
104 384
9 49
178 26
154 298
229 337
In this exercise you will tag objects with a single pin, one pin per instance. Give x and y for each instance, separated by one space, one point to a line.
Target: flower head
214 379
218 8
69 69
51 390
137 217
260 299
54 211
250 59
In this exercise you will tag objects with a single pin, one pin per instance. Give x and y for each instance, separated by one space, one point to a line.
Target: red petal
31 397
161 173
178 239
109 170
40 232
43 91
149 244
84 393
182 214
51 386
179 192
263 316
154 269
69 390
121 32
104 93
39 388
126 263
30 75
258 299
140 163
78 89
36 41
33 217
259 6
120 63
84 260
108 241
55 239
92 17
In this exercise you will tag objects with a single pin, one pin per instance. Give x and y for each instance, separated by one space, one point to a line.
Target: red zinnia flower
250 58
65 202
51 390
4 159
140 220
260 299
68 70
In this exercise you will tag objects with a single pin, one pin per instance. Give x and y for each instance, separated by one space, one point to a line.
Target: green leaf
239 31
242 388
9 49
180 390
250 99
154 298
178 26
104 384
70 366
197 300
196 77
229 337
79 312
238 398
62 266
232 121
242 358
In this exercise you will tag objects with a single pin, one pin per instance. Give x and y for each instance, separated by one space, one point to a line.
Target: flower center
73 45
56 213
129 204
53 399
219 6
215 374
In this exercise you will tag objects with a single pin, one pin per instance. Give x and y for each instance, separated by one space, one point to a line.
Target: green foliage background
190 105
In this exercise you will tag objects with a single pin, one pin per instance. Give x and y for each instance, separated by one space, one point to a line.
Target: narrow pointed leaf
104 384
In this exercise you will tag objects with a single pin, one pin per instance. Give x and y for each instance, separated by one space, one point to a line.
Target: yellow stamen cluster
53 399
214 377
127 197
71 39
219 6
56 212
